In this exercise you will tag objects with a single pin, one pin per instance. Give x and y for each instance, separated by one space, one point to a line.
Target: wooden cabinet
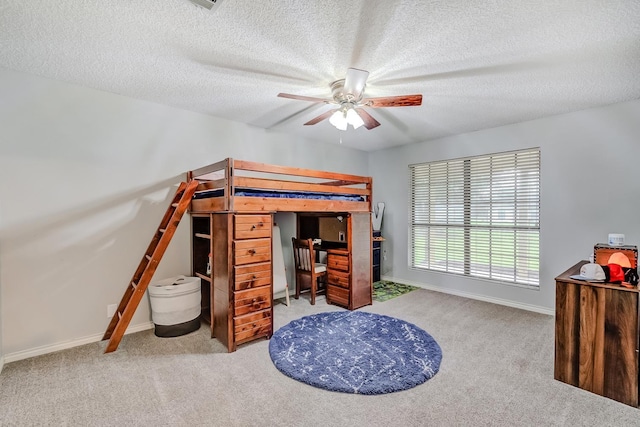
597 337
338 278
349 270
238 292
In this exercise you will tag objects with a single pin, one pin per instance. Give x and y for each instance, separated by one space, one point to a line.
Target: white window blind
478 216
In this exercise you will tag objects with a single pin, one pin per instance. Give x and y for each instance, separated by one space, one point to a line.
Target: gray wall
589 188
85 178
1 351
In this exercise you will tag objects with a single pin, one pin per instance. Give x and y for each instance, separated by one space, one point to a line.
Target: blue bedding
283 195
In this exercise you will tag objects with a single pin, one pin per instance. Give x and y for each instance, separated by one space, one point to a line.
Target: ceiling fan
348 94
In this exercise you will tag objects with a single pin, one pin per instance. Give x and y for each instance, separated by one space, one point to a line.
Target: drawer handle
254 277
251 251
253 227
254 300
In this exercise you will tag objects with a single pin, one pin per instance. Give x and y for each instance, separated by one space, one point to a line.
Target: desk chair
309 273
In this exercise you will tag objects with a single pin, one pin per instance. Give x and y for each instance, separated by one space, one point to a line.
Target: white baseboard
1 363
38 351
508 303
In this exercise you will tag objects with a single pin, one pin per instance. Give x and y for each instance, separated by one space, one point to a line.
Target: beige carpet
497 370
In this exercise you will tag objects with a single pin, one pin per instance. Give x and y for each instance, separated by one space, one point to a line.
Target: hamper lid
181 281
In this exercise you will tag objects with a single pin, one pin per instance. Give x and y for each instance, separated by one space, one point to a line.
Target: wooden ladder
147 267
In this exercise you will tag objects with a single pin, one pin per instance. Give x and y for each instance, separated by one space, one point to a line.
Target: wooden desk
597 337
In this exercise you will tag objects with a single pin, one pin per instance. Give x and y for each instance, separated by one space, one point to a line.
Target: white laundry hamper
175 305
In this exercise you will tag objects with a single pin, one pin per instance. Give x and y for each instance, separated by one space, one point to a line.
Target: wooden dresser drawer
338 278
251 300
337 295
251 251
337 262
252 226
252 325
252 276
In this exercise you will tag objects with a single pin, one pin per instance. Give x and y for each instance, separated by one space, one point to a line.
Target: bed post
370 190
228 190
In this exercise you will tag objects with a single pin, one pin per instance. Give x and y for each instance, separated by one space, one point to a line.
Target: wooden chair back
309 273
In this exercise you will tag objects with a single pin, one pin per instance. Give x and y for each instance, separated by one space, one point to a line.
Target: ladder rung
162 230
175 205
134 286
119 315
148 257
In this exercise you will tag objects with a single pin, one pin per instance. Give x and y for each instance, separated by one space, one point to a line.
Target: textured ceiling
478 64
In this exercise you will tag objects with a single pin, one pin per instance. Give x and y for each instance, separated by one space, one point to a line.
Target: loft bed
242 186
232 250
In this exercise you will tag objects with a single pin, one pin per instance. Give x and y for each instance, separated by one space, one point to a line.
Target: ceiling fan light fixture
354 119
339 119
346 116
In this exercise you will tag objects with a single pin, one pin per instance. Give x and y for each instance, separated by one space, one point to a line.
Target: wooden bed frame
229 175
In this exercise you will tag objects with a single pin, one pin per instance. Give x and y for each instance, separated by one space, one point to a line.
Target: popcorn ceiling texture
478 64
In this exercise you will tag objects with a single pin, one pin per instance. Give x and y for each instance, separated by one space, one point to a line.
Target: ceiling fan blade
369 121
267 122
320 118
393 101
355 81
303 98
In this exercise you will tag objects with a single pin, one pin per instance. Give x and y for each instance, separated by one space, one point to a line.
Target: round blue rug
355 352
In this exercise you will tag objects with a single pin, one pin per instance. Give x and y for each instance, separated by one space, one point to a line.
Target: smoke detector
207 4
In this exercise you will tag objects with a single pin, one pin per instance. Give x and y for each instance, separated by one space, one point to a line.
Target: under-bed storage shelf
201 248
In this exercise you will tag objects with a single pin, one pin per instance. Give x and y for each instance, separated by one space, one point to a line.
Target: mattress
282 195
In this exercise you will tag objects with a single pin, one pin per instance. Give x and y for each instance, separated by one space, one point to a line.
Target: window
478 216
